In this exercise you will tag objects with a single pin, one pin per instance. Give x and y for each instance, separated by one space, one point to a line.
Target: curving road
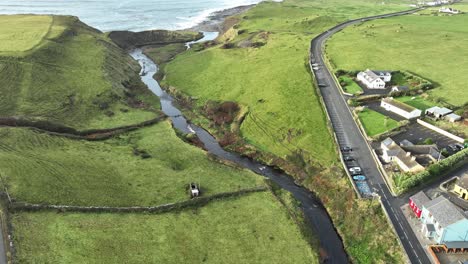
348 134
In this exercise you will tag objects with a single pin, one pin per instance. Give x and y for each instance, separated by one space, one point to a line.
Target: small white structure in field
400 108
374 79
438 112
449 10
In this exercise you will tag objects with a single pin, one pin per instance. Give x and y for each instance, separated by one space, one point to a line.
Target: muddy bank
129 40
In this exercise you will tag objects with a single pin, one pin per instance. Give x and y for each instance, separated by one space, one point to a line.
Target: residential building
449 10
392 152
416 202
461 187
400 108
444 222
374 79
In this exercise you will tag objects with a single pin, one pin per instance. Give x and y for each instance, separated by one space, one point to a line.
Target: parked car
355 171
346 149
348 158
359 178
459 146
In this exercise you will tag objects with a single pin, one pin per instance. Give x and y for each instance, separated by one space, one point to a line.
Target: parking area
417 133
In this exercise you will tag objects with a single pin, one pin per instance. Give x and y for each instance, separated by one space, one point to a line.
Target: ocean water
135 15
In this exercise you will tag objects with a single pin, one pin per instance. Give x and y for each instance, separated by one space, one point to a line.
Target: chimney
413 158
408 154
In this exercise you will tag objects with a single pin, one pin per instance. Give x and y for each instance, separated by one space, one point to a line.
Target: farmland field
403 43
22 33
109 173
253 228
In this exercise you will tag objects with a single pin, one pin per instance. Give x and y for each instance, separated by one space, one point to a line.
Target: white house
374 79
449 10
400 108
452 118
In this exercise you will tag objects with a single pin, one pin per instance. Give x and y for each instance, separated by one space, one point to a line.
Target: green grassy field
351 86
60 70
375 123
403 43
273 81
264 68
47 169
250 229
418 102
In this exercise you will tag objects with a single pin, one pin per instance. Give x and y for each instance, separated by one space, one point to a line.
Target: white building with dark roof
374 79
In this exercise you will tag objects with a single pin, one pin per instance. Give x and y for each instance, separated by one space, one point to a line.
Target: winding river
314 212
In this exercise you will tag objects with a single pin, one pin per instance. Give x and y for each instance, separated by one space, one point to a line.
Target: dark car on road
348 158
346 149
453 148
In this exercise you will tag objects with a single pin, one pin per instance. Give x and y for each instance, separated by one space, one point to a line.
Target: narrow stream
315 213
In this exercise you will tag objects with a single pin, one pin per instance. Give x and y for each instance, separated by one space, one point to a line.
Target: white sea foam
136 15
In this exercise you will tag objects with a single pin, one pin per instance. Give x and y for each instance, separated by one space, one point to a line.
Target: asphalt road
348 134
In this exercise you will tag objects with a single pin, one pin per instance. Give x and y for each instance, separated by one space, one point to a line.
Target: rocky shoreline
215 21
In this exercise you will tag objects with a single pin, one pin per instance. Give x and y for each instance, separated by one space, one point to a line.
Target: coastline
215 21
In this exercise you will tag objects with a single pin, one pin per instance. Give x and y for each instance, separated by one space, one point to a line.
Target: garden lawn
351 86
418 102
403 43
254 228
376 123
39 168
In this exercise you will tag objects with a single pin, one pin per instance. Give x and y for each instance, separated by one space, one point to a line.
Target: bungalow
392 152
461 187
374 79
416 202
400 108
444 222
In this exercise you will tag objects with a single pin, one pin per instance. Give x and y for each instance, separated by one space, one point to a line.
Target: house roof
453 116
444 211
442 111
381 73
394 150
398 104
419 199
463 181
406 143
370 76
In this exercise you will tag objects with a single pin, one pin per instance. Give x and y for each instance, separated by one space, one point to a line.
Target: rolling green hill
60 70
